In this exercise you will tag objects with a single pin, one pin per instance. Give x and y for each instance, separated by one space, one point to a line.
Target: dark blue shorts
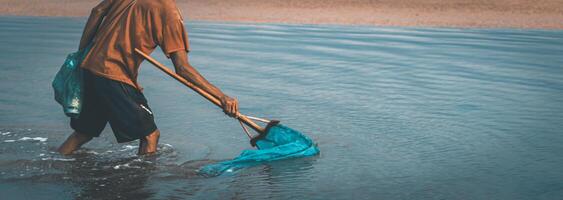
123 106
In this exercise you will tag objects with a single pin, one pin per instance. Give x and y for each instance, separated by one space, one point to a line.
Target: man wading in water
114 29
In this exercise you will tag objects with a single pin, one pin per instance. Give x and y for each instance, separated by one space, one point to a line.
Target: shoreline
520 14
187 21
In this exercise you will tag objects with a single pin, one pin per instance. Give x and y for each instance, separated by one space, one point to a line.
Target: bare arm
96 17
187 71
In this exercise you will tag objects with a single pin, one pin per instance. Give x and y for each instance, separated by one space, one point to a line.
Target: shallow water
399 113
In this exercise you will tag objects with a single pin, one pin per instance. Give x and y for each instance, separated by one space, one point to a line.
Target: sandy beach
542 14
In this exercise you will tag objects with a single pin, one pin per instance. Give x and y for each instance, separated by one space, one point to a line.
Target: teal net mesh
68 85
281 142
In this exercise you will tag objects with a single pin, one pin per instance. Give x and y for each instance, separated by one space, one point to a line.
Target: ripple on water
401 113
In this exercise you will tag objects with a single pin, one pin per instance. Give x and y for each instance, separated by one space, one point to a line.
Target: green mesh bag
68 84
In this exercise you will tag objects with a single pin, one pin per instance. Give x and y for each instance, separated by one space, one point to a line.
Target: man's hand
230 106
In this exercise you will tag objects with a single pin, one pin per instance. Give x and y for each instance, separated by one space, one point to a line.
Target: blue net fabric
281 142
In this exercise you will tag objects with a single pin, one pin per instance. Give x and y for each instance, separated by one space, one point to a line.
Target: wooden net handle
244 119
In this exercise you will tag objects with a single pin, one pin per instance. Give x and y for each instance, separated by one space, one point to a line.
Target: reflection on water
126 181
401 113
116 172
108 174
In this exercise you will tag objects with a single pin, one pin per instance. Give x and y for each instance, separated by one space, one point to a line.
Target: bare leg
149 143
73 142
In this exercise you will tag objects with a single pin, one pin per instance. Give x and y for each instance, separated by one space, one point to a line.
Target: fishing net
275 142
280 142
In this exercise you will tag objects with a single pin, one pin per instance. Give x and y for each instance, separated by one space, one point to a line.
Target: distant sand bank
544 14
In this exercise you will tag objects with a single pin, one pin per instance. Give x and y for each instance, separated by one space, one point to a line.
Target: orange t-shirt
143 24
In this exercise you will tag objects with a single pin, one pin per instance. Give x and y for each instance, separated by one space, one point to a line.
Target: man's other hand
230 106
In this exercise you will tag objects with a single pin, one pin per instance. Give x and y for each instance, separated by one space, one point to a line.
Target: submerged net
281 142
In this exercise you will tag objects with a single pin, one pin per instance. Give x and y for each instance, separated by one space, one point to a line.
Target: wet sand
543 14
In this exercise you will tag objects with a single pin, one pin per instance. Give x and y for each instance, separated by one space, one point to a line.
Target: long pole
200 91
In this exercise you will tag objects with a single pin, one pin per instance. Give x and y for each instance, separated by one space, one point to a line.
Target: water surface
399 113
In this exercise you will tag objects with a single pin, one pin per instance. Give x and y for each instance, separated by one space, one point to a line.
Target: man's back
130 24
